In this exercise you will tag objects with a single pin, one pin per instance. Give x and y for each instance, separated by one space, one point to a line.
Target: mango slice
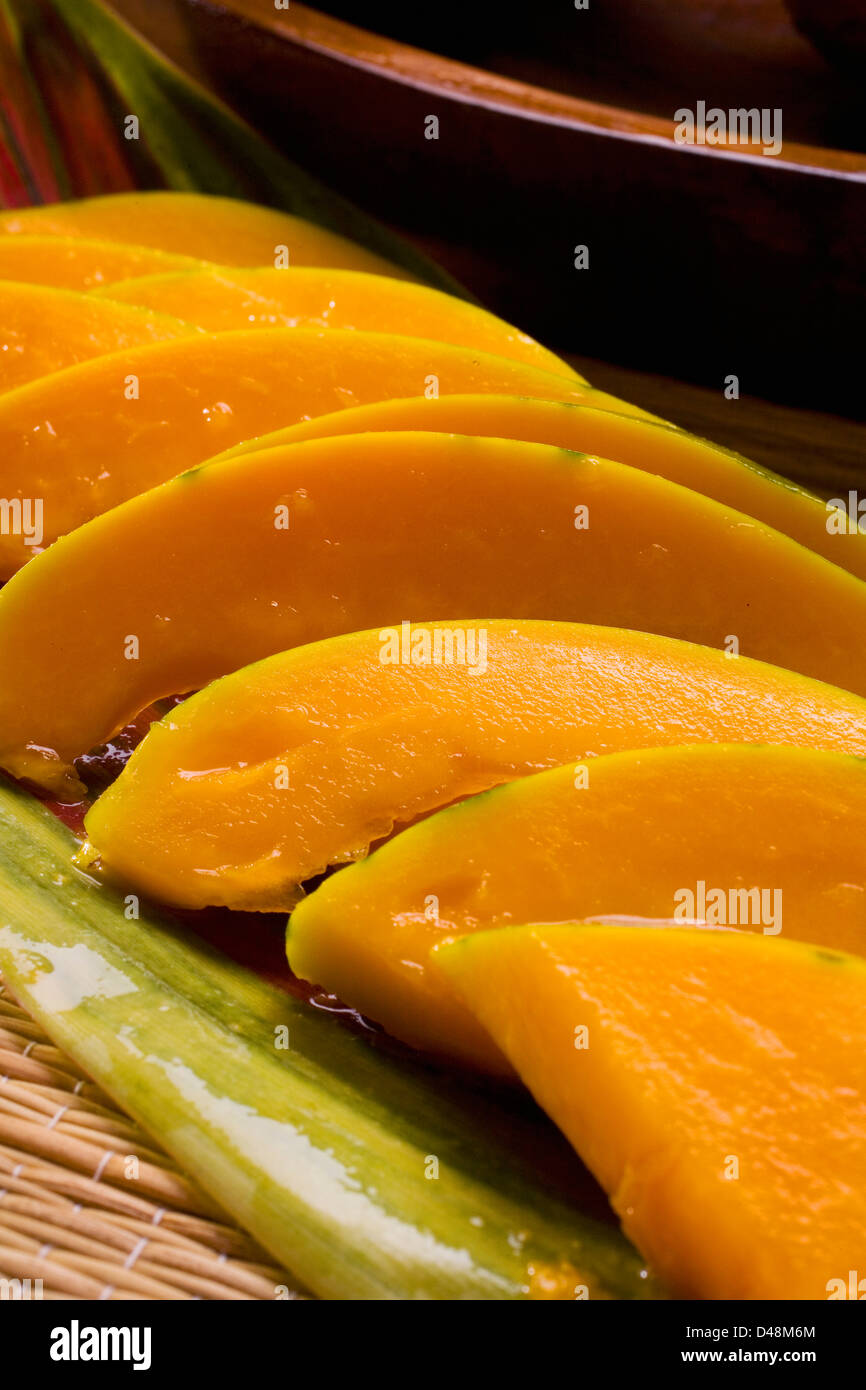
712 1081
225 298
302 760
76 263
223 230
318 1149
96 434
44 330
240 559
591 428
765 838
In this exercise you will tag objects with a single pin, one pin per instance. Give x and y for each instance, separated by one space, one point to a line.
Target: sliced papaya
223 230
225 298
738 835
591 428
44 330
99 433
302 760
319 1149
713 1082
458 414
240 559
76 263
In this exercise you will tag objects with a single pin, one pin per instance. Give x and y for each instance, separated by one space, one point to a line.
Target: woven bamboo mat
90 1206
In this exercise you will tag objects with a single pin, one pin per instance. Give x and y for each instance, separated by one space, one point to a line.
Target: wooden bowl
704 261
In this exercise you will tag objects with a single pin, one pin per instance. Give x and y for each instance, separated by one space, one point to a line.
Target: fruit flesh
226 298
267 776
223 230
640 836
125 422
203 575
76 263
341 1129
44 330
718 1098
452 414
604 426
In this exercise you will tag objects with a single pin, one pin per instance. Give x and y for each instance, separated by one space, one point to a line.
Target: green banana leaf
364 1174
72 70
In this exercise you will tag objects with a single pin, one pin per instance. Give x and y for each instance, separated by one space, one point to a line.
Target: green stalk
325 1150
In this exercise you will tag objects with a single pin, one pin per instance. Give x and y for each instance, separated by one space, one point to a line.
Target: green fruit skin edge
319 1149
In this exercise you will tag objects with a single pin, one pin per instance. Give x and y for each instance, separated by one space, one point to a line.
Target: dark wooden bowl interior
637 53
704 262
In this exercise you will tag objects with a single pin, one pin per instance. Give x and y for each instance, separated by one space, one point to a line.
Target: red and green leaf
71 72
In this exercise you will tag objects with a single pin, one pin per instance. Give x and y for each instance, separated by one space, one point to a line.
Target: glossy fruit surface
77 263
44 330
225 230
302 760
225 298
97 434
713 1081
767 839
604 425
240 559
